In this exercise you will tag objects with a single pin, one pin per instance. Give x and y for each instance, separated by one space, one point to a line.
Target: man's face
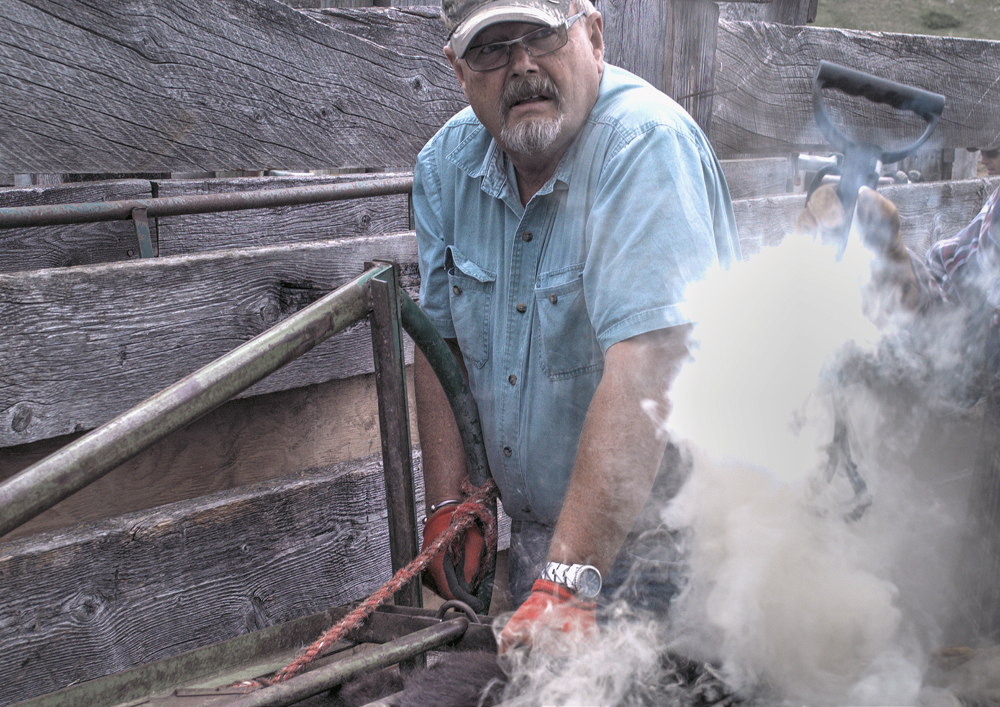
535 106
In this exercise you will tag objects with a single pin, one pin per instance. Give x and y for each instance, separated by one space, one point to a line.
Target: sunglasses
486 57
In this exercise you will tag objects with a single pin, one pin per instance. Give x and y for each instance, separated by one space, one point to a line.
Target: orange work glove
471 551
551 611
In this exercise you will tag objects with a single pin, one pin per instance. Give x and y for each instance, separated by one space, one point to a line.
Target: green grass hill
946 18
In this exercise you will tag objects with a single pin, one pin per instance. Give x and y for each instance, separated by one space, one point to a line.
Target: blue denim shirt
637 208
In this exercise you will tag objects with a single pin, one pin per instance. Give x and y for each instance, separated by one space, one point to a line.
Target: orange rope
472 508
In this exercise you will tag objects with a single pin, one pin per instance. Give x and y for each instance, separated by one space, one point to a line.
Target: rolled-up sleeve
660 220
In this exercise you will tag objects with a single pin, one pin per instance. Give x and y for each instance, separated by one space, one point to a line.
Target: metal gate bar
45 483
316 681
233 660
60 214
394 424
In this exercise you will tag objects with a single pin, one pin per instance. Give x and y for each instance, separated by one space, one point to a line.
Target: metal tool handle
925 104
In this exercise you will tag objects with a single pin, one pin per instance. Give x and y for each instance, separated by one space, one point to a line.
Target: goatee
532 134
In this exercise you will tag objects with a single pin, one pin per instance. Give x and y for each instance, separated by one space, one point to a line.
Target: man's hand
549 616
434 575
823 215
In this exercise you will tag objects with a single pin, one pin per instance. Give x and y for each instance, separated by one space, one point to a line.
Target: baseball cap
465 18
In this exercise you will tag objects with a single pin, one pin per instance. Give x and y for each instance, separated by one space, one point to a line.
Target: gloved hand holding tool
550 613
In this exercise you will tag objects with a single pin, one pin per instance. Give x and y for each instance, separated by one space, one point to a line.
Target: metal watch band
570 576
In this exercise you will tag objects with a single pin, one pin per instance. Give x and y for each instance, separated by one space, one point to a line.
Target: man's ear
456 64
597 37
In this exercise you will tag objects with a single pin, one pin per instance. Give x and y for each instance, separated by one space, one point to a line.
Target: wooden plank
149 585
786 12
181 235
757 177
81 244
123 90
928 212
239 84
82 345
670 43
765 75
243 442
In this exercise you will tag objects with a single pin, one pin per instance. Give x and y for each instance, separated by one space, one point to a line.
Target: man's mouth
530 99
526 92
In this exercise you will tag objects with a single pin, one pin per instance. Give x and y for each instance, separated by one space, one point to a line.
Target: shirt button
507 451
522 308
512 379
526 236
553 298
457 290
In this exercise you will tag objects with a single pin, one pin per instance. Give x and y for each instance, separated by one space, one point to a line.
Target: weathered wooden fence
254 514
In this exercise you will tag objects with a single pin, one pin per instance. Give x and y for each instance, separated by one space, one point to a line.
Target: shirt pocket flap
454 258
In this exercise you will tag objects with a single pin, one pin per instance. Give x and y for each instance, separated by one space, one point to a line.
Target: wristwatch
584 580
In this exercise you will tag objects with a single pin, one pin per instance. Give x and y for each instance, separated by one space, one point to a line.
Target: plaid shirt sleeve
947 258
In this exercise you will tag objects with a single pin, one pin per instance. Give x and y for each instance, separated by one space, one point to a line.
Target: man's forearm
620 451
444 463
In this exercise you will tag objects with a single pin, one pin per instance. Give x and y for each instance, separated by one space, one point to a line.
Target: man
559 219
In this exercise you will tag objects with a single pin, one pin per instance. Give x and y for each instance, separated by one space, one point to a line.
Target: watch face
590 582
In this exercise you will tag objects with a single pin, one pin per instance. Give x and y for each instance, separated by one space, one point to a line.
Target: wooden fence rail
275 495
117 90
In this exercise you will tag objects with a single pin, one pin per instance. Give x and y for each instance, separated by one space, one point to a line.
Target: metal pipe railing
315 681
61 214
45 483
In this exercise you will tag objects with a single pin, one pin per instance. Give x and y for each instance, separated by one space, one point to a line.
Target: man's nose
520 61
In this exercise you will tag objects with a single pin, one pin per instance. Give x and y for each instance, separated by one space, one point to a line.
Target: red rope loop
474 507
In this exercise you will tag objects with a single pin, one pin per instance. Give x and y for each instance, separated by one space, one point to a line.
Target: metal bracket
141 221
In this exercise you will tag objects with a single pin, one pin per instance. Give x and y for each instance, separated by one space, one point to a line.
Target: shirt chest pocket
471 300
569 343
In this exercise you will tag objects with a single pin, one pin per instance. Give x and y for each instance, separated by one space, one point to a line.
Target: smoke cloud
803 585
798 586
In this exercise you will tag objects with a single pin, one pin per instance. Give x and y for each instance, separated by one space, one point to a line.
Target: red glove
474 545
551 611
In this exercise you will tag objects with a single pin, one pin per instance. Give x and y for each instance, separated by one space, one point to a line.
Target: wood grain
928 212
787 12
165 86
127 89
82 345
81 244
195 233
670 43
765 75
757 177
106 596
245 441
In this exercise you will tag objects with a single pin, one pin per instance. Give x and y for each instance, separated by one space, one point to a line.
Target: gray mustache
526 87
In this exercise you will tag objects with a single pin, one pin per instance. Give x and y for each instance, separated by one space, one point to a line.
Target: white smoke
797 601
790 595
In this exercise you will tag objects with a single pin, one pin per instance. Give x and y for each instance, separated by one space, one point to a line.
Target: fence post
785 12
670 43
